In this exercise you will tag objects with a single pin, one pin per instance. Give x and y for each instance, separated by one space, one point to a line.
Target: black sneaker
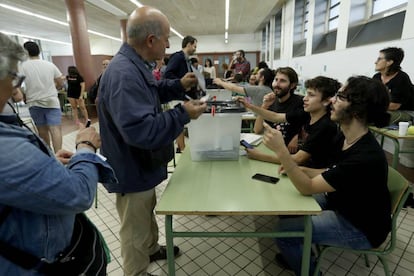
281 261
161 254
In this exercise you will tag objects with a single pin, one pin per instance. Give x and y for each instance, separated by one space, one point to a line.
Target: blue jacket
177 66
130 117
44 195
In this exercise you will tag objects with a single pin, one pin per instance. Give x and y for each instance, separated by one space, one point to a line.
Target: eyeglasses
380 58
341 96
17 79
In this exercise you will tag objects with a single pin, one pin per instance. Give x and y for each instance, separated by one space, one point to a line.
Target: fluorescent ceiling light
102 4
104 35
35 37
34 14
54 21
226 26
139 5
177 33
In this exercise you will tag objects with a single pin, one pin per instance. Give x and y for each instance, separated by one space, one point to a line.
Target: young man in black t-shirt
318 131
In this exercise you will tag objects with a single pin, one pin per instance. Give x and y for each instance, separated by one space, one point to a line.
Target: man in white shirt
42 77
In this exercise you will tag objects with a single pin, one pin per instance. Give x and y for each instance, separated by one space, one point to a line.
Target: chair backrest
399 189
397 186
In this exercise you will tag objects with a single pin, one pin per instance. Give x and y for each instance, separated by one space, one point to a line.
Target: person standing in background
240 65
137 135
76 89
210 69
156 72
42 78
196 65
398 82
94 90
178 65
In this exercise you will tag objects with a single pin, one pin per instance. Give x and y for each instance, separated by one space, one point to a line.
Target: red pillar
123 23
80 39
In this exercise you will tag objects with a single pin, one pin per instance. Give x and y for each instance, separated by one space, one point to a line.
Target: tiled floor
236 256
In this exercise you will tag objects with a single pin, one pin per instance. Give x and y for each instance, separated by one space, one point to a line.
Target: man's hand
88 134
189 80
273 139
244 101
195 108
268 100
63 156
217 81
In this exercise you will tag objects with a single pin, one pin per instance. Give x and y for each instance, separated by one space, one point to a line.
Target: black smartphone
265 178
245 144
88 123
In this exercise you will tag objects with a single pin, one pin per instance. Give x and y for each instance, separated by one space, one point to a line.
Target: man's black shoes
161 254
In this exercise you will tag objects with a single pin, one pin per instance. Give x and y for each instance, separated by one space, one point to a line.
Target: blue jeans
328 228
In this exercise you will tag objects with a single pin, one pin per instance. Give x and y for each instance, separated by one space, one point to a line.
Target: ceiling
188 17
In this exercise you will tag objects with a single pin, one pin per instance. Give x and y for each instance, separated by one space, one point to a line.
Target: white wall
342 64
215 43
206 43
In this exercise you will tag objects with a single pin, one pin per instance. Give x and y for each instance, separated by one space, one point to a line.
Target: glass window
384 5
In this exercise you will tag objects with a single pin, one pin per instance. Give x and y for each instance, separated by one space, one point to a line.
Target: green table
394 136
226 188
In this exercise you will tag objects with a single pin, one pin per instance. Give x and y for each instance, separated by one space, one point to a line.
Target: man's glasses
341 96
17 79
380 58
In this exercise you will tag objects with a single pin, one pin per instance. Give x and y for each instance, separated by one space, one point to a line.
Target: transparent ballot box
216 135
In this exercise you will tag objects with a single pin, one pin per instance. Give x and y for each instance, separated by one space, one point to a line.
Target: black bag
87 253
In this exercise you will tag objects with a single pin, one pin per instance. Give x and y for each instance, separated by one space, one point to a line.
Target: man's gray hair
139 32
10 52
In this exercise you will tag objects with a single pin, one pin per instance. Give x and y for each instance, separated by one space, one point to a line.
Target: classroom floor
236 256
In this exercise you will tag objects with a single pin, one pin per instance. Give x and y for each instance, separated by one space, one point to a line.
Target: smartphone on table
246 144
265 178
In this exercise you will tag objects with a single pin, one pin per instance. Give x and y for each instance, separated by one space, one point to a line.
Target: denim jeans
328 228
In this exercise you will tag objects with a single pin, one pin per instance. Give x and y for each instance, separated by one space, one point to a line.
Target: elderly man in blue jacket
137 135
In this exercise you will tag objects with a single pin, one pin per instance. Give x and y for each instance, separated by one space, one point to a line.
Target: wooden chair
399 189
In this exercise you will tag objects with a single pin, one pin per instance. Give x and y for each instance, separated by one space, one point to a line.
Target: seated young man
318 130
352 190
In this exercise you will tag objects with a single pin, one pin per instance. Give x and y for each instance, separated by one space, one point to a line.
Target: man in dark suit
178 65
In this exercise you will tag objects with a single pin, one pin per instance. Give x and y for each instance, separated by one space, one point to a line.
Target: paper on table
251 138
200 78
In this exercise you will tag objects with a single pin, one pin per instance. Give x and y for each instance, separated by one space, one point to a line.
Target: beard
342 116
282 92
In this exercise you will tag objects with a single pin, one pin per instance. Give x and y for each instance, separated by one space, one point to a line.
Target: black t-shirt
295 102
74 86
359 176
401 90
318 138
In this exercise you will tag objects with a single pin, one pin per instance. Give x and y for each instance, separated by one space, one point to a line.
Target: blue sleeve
34 181
169 90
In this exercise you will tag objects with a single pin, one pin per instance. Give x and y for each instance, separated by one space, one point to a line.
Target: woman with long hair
76 88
